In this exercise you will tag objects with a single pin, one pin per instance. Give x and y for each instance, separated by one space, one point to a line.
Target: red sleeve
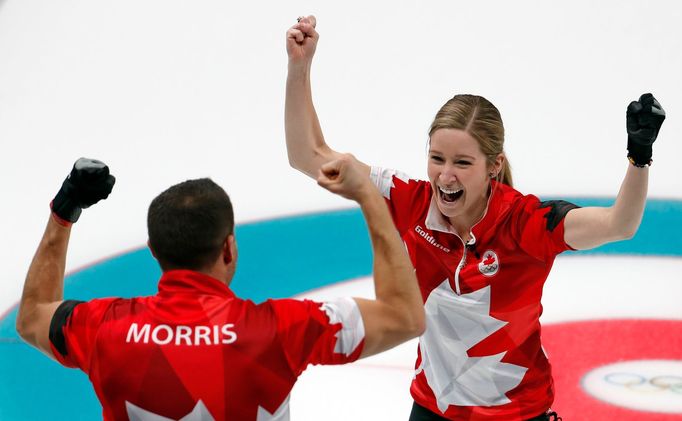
539 226
73 331
319 333
405 196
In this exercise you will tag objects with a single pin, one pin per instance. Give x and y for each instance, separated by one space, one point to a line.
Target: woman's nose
449 174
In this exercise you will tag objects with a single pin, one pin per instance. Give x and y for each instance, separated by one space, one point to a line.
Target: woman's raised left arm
590 227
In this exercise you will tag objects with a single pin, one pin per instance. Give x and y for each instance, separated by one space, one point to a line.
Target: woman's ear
497 165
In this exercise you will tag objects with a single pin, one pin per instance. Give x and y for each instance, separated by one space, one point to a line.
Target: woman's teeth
448 191
450 195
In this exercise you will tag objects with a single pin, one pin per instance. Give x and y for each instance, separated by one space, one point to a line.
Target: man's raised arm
88 183
397 313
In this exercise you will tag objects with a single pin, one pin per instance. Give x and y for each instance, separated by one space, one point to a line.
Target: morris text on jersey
182 335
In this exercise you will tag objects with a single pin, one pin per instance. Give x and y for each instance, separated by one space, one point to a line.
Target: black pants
419 413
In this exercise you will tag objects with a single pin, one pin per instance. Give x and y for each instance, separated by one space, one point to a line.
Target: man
195 351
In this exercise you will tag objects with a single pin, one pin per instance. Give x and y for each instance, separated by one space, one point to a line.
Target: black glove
644 119
88 183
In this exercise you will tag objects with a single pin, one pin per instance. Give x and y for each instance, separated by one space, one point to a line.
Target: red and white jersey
480 356
195 351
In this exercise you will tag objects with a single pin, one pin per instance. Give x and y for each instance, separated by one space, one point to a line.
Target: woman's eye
463 163
437 158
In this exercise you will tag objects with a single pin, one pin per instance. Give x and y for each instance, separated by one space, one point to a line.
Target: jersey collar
492 211
184 281
435 221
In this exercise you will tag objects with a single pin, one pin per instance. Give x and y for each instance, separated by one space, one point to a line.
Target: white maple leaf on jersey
281 414
200 413
454 324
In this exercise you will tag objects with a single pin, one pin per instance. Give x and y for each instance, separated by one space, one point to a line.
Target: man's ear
229 249
149 245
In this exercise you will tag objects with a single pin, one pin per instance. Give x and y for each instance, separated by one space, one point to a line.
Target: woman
482 251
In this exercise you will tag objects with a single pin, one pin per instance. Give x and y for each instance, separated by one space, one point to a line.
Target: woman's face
459 174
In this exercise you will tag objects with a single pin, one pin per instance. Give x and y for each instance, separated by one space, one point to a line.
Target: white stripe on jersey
345 310
383 179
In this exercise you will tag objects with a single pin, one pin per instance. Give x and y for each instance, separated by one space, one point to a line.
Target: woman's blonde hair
481 119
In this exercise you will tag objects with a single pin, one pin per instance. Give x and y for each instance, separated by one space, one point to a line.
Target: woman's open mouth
449 196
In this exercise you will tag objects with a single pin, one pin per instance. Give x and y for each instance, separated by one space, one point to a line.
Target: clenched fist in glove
644 119
88 183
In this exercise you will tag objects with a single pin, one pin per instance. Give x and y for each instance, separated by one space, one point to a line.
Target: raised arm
306 147
44 287
88 183
397 313
591 227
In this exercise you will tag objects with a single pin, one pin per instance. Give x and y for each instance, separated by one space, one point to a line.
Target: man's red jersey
195 351
480 357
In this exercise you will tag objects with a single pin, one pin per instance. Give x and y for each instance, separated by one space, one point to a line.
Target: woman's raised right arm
306 148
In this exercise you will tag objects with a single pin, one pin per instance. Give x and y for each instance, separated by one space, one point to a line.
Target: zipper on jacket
472 241
463 261
461 264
